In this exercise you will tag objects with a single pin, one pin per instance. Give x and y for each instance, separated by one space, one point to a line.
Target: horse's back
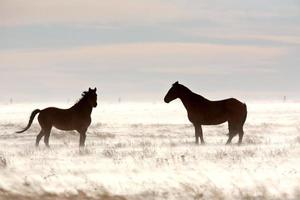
53 112
234 104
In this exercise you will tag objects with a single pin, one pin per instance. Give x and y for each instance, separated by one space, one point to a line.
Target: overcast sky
135 49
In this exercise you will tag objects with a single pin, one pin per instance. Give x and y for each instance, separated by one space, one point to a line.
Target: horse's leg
82 137
39 137
46 138
196 134
199 133
241 134
232 132
230 138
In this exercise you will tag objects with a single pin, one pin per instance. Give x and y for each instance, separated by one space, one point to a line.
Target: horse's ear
176 83
95 89
90 89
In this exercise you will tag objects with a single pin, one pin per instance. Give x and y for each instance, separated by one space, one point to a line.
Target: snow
147 151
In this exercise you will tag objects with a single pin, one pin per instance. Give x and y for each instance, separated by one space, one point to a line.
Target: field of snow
147 151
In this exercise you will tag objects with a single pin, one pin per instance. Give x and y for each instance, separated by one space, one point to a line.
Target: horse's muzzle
166 100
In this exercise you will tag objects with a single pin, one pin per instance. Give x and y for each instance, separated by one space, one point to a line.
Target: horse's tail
245 114
33 114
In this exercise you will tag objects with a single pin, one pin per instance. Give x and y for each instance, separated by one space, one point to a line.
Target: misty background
134 50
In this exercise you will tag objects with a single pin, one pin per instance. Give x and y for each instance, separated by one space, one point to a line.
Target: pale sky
135 49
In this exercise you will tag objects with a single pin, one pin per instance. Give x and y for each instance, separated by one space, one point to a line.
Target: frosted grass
147 151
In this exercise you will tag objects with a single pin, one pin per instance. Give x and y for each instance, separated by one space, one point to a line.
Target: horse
202 111
77 117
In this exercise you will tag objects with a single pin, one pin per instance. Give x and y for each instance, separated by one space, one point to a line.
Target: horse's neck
83 108
188 99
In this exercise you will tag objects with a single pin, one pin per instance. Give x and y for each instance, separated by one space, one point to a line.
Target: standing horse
202 111
78 118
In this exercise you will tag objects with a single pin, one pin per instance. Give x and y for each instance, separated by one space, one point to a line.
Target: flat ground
147 151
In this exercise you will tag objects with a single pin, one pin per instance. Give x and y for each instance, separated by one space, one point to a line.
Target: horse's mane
84 96
182 87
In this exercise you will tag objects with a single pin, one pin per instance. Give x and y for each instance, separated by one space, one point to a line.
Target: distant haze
133 50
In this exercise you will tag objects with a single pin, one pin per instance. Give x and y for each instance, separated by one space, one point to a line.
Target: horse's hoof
81 148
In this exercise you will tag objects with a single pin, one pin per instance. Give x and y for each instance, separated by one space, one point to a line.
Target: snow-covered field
147 151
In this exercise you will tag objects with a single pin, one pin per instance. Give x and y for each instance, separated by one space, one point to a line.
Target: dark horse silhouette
78 118
202 111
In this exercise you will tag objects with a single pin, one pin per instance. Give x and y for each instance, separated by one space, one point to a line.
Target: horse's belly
64 126
215 119
213 122
208 120
68 125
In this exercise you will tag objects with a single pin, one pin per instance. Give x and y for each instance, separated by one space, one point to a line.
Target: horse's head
173 93
91 97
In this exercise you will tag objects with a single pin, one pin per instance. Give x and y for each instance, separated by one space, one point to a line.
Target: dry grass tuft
109 152
81 195
297 139
253 140
3 162
85 151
